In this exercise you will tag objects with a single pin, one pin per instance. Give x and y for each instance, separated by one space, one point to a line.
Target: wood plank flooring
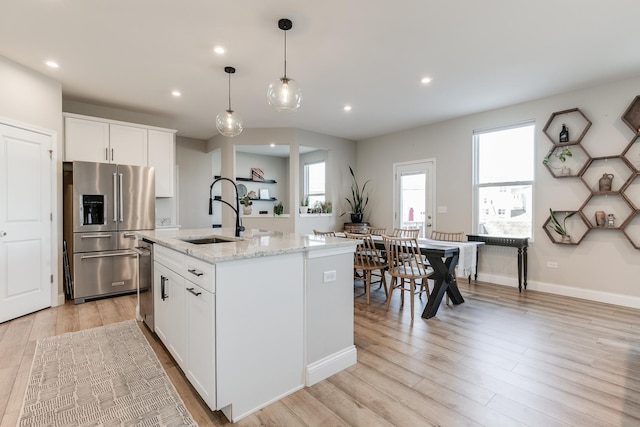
499 359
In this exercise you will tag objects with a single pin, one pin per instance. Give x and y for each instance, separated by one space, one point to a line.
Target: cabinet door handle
112 154
163 281
194 292
106 154
195 272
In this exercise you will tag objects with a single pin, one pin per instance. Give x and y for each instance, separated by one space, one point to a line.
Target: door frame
431 188
57 298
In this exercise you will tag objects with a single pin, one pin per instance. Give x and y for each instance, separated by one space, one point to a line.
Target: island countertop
253 243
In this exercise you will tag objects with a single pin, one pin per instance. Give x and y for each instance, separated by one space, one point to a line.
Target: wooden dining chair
324 233
406 232
367 259
449 236
377 231
406 267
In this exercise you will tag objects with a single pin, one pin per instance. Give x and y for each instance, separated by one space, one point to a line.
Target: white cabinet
162 156
86 140
184 311
200 338
169 307
128 145
92 139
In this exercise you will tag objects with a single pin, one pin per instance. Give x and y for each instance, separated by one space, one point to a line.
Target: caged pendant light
284 94
228 122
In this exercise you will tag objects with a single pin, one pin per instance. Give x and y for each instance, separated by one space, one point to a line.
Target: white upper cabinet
86 140
162 156
93 139
128 145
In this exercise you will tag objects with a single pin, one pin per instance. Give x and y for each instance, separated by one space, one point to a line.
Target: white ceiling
371 54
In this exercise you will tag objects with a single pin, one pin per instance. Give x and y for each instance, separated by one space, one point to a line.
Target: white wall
34 99
604 267
194 178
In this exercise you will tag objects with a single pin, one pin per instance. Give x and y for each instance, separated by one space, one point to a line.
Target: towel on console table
466 259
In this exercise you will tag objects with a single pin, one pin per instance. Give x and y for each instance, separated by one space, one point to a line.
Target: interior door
25 222
414 192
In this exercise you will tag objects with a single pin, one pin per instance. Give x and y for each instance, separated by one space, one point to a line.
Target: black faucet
239 227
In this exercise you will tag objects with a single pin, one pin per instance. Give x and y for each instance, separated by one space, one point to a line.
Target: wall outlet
552 264
329 276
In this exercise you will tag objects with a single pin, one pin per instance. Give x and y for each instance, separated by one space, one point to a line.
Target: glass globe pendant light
284 94
228 122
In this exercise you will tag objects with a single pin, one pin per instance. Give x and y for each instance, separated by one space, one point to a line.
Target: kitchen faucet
239 227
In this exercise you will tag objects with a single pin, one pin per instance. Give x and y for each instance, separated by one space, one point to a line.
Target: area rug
106 376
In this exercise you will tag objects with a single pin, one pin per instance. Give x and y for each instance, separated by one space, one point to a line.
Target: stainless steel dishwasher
145 277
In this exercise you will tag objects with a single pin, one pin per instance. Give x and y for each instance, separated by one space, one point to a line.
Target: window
503 180
314 174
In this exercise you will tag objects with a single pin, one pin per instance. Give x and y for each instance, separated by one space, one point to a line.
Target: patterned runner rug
106 376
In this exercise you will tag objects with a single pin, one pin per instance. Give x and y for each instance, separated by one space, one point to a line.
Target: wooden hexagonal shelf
561 165
577 123
631 230
631 116
609 204
632 153
577 225
614 166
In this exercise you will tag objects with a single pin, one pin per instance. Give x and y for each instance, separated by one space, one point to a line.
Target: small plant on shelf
561 229
278 208
562 155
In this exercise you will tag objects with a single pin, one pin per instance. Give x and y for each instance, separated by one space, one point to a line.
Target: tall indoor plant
359 198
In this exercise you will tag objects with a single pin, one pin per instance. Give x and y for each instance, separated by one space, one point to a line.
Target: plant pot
566 239
356 217
304 209
246 209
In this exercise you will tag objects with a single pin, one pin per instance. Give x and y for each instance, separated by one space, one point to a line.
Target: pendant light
284 94
228 122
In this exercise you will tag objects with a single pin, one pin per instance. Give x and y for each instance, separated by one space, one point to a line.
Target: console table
520 243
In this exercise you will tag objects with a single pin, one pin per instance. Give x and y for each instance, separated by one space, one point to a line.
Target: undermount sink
208 240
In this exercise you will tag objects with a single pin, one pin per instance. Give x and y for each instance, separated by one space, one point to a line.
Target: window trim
306 191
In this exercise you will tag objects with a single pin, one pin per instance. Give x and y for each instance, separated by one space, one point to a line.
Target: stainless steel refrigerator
104 204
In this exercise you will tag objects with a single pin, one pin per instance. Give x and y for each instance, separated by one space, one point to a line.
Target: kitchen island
255 318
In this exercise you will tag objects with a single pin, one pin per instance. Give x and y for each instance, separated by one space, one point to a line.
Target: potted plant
246 205
304 205
561 229
278 208
561 155
359 198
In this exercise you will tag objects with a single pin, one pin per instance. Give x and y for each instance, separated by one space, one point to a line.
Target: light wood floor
500 359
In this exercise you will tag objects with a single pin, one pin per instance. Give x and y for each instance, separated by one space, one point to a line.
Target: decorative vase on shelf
246 209
565 171
604 184
600 218
564 134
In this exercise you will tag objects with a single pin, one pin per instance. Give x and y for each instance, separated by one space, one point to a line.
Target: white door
414 194
25 222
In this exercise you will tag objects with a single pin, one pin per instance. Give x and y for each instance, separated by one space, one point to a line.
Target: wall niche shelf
577 123
623 200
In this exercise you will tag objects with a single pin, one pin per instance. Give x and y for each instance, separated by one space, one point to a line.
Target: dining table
443 257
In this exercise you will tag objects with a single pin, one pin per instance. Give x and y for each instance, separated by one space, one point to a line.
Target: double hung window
503 180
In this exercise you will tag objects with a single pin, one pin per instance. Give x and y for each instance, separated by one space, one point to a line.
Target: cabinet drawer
201 273
169 258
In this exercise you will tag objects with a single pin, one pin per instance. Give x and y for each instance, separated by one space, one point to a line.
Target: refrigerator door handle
120 200
95 236
111 254
115 197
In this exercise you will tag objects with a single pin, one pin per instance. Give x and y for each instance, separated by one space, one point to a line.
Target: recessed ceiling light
176 93
425 80
347 108
52 64
219 50
272 145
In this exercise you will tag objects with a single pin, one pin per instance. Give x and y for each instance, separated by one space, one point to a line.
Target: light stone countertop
252 243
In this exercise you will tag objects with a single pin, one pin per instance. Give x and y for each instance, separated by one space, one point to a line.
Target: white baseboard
568 291
61 299
330 365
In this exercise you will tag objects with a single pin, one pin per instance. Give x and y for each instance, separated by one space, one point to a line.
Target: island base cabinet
259 332
201 342
168 301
